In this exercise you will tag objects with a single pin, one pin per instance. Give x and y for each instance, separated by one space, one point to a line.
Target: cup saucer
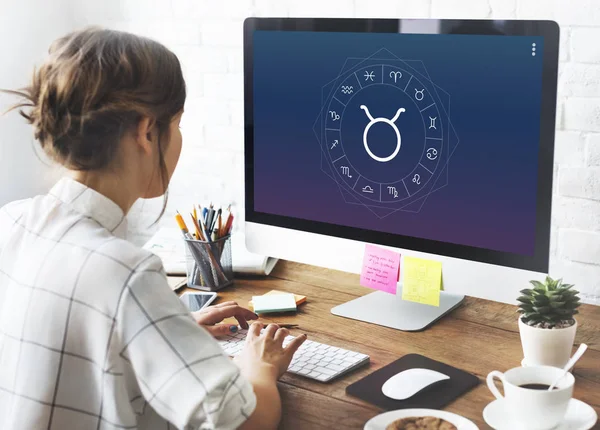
580 416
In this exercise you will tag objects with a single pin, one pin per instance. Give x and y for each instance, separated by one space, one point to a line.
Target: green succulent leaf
526 308
538 284
550 302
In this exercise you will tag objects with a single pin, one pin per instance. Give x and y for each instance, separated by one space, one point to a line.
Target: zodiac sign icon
432 153
396 75
432 122
334 115
419 94
367 189
386 121
346 171
347 89
334 144
417 179
369 75
393 191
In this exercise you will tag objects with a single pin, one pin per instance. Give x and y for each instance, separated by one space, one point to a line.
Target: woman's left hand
211 317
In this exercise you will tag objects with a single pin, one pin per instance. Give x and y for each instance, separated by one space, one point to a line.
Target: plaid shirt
91 335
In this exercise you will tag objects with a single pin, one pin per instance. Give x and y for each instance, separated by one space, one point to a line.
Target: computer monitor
432 137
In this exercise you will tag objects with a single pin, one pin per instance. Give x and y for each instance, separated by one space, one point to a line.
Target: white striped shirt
91 335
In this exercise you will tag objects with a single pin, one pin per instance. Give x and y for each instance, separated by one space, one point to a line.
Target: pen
287 325
202 221
209 218
218 223
205 230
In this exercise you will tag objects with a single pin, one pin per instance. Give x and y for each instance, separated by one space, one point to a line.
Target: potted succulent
547 324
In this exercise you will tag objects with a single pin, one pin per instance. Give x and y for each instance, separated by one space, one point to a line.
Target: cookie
421 423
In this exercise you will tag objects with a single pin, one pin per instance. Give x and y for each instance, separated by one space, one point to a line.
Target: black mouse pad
436 396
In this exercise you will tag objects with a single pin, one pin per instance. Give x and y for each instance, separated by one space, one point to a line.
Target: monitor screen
433 136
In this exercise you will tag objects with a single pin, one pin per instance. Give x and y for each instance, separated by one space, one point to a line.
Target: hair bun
95 85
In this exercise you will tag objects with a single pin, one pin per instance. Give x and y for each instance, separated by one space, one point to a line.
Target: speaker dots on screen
533 49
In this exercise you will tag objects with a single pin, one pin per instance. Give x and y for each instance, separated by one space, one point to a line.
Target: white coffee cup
529 408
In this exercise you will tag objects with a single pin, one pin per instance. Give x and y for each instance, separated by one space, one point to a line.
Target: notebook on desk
169 246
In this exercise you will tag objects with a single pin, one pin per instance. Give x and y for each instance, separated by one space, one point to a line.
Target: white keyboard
313 359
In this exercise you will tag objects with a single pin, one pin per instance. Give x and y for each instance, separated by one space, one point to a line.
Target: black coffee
542 387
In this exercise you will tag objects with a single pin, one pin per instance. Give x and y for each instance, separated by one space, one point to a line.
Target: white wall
207 36
27 27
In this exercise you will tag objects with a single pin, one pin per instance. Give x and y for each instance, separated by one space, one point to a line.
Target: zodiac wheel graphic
385 133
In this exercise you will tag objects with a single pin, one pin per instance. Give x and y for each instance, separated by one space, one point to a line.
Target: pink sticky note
380 269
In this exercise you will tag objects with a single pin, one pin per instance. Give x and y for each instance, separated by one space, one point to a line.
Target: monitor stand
391 311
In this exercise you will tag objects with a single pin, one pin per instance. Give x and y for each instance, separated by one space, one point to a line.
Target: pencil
219 224
226 223
197 227
182 226
229 225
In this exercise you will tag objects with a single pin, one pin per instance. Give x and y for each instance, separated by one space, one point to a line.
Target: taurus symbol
395 76
386 121
419 94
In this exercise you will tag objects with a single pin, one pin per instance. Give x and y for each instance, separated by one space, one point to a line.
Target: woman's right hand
264 354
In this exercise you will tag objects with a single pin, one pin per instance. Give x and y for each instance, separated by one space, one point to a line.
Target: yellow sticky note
422 281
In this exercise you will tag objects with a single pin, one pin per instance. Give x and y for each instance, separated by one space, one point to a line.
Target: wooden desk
479 337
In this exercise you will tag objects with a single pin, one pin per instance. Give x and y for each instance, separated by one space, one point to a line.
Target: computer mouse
409 382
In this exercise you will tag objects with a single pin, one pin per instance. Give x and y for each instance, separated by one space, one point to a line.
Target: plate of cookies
419 419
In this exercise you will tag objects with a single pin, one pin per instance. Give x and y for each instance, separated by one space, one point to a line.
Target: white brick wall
207 37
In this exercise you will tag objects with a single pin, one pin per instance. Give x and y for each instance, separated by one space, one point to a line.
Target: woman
91 336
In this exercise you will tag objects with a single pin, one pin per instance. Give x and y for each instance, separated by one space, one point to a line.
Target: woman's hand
210 318
264 354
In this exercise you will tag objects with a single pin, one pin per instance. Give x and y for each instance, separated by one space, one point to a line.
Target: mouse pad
435 396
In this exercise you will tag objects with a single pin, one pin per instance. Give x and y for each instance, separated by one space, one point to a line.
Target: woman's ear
145 134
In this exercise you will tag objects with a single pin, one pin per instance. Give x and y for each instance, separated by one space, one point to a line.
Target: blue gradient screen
422 135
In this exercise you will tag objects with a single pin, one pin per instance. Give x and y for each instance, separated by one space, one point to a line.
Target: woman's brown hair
96 85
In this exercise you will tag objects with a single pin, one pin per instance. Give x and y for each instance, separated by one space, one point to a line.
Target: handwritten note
380 269
422 281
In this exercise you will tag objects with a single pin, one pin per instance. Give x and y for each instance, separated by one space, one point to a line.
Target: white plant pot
546 347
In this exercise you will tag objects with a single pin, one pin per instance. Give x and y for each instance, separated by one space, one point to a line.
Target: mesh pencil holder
209 265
